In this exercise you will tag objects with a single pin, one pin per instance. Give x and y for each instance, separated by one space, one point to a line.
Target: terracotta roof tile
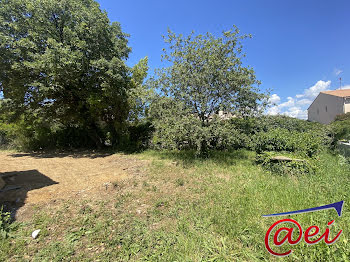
339 92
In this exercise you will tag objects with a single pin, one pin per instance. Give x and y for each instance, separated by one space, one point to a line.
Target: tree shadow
61 154
18 183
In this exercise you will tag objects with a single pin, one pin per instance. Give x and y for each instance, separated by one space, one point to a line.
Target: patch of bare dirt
45 178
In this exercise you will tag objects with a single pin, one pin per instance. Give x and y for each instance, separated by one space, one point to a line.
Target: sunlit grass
190 209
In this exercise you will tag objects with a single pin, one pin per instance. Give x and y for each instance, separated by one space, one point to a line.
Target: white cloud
296 112
289 103
274 99
345 87
297 106
303 102
313 91
273 111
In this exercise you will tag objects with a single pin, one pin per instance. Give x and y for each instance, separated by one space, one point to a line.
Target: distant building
223 115
328 104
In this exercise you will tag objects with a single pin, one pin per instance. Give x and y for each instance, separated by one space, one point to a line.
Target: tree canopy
64 61
65 81
206 75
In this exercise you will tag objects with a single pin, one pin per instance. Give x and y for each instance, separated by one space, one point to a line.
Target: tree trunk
93 134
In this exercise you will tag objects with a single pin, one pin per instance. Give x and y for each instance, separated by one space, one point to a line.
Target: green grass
190 209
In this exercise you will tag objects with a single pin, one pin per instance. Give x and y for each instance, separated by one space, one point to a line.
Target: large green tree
63 61
205 75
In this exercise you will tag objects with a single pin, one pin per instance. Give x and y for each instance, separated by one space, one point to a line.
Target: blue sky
298 47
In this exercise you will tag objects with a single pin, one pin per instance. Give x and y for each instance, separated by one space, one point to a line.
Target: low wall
344 148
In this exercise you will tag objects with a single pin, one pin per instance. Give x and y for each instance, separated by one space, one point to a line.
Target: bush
42 135
275 131
7 136
267 123
341 128
279 139
138 137
254 125
265 133
177 128
228 136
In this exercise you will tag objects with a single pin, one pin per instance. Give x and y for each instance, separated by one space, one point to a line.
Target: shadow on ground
18 184
54 154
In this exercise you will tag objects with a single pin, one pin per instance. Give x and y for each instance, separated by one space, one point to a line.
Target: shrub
265 133
280 139
138 137
39 134
226 136
282 133
7 136
177 128
254 125
292 124
341 128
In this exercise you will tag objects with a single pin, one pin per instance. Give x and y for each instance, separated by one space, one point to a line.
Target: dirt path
48 177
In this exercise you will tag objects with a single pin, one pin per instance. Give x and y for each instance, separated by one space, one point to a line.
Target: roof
339 92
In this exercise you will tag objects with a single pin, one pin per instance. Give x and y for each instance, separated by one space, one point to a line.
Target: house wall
347 105
325 108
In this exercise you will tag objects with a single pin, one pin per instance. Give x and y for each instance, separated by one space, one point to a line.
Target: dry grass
47 178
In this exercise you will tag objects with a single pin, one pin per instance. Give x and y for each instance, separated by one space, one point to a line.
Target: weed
154 188
214 219
179 182
5 223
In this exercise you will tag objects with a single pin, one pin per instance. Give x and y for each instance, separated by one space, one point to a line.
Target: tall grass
190 209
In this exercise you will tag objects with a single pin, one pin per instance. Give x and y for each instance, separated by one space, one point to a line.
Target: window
347 100
326 108
318 111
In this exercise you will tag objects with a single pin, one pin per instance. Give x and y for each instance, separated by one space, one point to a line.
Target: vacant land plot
46 178
169 206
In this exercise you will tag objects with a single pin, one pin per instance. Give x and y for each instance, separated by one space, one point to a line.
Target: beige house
328 104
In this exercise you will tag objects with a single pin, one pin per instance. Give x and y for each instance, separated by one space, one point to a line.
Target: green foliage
174 125
264 133
280 139
266 123
281 133
295 167
139 94
342 117
341 127
206 75
5 224
139 136
35 133
7 134
63 61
